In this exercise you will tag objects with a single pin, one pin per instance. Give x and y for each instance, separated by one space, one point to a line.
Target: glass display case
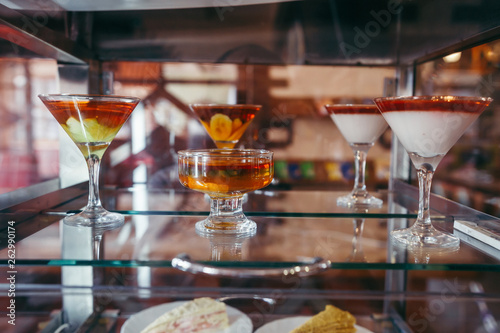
291 57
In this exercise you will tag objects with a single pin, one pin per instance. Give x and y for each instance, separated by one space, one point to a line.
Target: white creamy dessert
429 133
360 128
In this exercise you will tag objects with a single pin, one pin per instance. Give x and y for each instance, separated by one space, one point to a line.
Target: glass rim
222 153
89 96
223 105
442 98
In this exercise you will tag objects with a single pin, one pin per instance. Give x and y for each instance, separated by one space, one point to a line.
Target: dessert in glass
427 127
92 122
225 123
225 175
361 125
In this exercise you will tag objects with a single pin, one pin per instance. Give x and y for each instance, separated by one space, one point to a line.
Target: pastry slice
330 320
199 315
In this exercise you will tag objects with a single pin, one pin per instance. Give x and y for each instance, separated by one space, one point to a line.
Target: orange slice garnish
221 127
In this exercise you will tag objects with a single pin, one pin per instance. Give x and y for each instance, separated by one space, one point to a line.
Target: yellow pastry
330 320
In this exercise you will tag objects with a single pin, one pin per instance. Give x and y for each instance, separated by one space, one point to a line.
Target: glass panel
469 173
432 303
309 150
29 136
143 201
154 236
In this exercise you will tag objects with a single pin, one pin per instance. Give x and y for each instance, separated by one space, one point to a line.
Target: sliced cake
199 315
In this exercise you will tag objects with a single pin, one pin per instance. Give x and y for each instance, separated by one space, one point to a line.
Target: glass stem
360 152
226 216
222 207
425 174
94 162
97 246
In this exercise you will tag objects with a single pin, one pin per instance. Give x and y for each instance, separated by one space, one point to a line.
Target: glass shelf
294 227
305 255
144 201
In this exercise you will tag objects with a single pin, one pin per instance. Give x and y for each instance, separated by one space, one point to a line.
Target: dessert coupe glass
427 127
225 123
225 175
92 122
361 125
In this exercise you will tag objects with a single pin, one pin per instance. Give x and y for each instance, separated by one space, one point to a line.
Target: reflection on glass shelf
258 203
227 247
426 255
278 243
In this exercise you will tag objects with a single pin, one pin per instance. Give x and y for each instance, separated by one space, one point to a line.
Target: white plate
285 325
238 321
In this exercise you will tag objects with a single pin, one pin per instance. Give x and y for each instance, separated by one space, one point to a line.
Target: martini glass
225 123
361 125
428 126
225 175
92 122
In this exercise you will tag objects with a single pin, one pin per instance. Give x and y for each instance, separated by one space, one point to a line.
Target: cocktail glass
225 175
225 123
427 127
92 122
361 125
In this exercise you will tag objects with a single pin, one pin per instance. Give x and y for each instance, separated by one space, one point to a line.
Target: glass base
226 217
428 237
355 199
241 227
97 218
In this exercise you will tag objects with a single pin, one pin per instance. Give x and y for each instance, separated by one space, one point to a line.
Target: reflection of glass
357 253
423 255
225 123
92 122
97 233
79 299
226 175
428 126
226 247
361 126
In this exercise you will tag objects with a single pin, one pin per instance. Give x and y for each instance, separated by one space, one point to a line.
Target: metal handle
184 263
